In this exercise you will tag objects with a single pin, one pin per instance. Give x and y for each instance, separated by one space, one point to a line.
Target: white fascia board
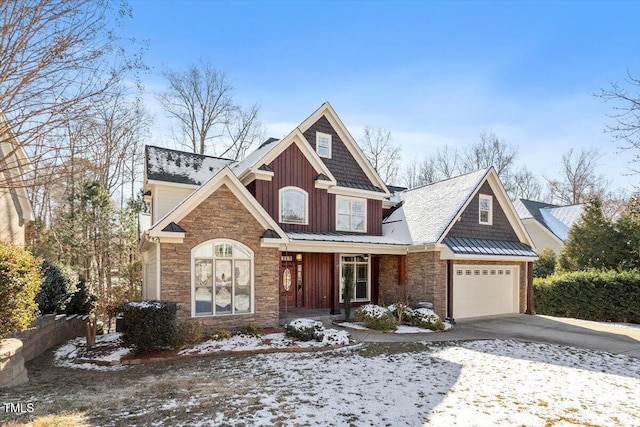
156 183
343 247
273 243
256 175
356 192
324 185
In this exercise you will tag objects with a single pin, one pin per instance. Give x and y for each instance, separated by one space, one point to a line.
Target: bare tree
381 152
200 101
626 116
447 162
524 185
58 57
411 174
490 151
579 180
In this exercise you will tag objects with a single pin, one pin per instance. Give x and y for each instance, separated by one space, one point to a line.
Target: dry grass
73 419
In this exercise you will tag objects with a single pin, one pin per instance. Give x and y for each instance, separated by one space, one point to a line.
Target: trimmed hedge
149 325
590 295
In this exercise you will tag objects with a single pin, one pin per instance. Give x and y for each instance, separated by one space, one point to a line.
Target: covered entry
485 290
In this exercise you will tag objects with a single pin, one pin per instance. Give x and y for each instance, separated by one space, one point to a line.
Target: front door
291 284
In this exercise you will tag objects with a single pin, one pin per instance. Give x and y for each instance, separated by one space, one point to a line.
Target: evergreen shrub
149 325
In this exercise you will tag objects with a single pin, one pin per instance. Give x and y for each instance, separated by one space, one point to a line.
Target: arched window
294 206
222 275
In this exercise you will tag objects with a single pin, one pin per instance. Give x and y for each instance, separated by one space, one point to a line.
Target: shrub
221 334
376 317
404 315
189 332
83 301
20 280
305 330
148 325
427 319
333 337
546 263
250 330
590 295
59 285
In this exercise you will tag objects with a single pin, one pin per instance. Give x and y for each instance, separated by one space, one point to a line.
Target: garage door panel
484 291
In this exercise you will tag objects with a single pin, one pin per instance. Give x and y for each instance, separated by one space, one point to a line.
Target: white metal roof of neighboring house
557 219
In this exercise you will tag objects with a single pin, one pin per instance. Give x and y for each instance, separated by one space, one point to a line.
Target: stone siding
221 215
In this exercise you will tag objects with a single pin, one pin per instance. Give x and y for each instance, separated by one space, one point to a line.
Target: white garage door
482 290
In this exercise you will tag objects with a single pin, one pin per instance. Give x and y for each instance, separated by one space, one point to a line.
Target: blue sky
432 73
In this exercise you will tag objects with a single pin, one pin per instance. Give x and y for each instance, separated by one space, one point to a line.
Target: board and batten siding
167 198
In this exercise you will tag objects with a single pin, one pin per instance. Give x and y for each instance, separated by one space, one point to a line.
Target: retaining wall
47 331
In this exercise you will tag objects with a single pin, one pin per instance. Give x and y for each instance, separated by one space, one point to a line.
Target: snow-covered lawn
479 383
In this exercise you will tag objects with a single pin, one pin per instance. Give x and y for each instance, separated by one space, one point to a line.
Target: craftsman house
15 208
234 242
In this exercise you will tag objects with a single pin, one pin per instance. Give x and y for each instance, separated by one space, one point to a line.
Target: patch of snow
353 325
373 310
66 354
145 304
334 337
305 323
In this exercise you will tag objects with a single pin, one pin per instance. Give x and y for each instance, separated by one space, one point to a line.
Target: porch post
335 286
450 289
530 300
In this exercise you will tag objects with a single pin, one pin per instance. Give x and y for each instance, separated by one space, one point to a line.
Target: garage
485 290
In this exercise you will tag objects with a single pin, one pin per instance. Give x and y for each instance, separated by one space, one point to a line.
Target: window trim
368 261
480 210
350 199
328 136
306 205
251 260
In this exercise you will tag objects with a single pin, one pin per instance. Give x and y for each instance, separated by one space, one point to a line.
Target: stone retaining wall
12 370
46 332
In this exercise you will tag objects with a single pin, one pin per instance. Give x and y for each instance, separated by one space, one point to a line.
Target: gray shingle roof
488 247
428 210
164 164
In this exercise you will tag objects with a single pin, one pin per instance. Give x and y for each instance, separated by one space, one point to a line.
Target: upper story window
323 144
294 206
351 214
485 215
222 272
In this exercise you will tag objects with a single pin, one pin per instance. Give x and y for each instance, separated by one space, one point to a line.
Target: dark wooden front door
291 275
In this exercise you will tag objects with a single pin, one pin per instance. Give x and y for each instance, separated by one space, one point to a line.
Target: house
234 242
547 224
15 207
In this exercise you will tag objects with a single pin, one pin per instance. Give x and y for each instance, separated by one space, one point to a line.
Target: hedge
590 295
149 325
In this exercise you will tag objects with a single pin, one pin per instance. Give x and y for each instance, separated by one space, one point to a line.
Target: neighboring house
234 242
547 224
15 208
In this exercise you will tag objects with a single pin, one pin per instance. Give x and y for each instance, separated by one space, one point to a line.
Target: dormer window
485 215
323 145
294 204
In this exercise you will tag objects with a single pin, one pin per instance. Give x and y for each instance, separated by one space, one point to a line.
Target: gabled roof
428 212
557 219
430 209
352 146
168 224
164 164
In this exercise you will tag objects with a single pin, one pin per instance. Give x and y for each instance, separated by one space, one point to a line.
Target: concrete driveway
570 332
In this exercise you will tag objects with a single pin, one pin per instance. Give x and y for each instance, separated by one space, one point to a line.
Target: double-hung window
351 214
485 215
323 145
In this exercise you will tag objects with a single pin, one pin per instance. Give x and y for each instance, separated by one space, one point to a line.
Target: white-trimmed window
222 278
294 206
351 214
323 145
485 215
357 267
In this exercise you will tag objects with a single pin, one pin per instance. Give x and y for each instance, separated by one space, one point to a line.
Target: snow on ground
65 355
402 329
245 343
472 384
